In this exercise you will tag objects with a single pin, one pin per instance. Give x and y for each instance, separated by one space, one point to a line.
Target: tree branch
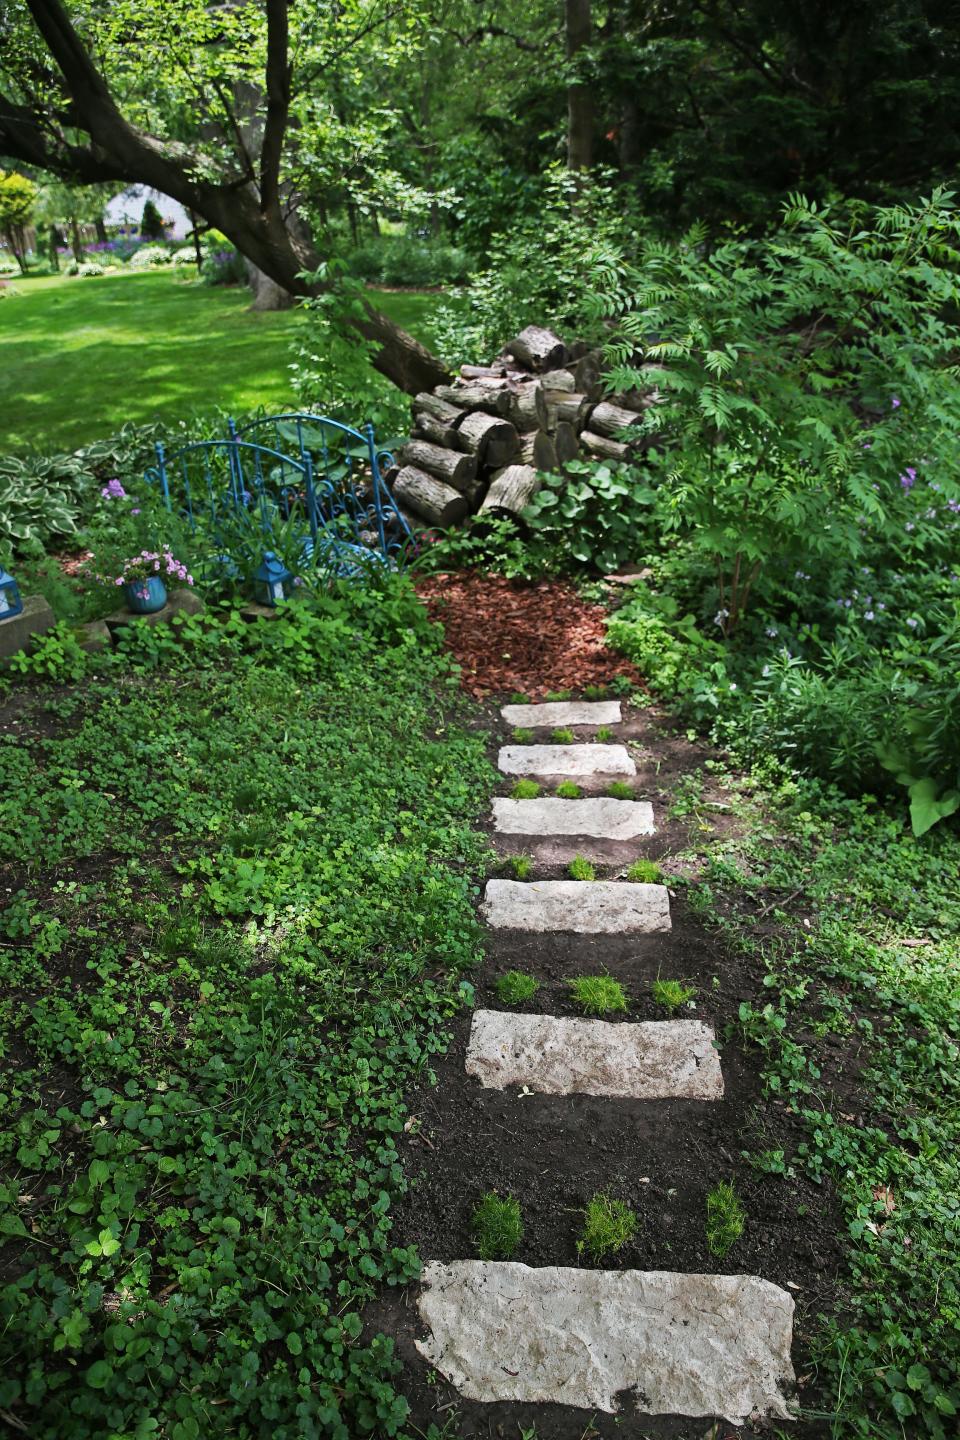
278 102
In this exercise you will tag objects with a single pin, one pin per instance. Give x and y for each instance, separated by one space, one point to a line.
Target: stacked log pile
482 444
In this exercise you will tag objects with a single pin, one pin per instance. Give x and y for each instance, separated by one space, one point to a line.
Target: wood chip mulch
511 635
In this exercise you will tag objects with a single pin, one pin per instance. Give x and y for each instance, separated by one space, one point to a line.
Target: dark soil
660 1157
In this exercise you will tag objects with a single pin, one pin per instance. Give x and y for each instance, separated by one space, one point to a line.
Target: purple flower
895 402
907 479
135 510
912 623
113 490
868 615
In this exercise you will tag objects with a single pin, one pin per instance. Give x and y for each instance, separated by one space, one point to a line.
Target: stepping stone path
654 1342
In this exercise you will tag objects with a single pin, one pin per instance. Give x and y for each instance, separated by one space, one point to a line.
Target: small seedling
521 865
725 1219
561 737
525 790
594 692
608 1226
522 736
581 869
557 695
598 994
645 872
568 791
516 986
497 1227
517 699
620 790
603 734
672 994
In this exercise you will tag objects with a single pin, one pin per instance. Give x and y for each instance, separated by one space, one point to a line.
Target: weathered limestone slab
553 1055
569 760
699 1345
586 907
564 712
602 818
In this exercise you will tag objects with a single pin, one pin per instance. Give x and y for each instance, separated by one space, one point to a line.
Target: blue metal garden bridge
305 486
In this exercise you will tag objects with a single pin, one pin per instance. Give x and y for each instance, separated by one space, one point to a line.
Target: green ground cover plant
874 969
516 986
569 790
497 1226
521 865
581 869
645 872
620 790
598 994
521 736
239 905
561 736
608 1225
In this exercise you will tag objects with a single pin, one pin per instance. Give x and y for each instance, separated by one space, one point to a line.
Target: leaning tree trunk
579 100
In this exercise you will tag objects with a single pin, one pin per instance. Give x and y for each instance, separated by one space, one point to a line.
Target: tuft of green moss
525 790
522 736
516 987
620 790
567 790
726 1218
672 994
581 869
563 736
608 1225
647 872
598 994
497 1226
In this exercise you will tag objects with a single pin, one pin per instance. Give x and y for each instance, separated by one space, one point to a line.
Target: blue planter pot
145 597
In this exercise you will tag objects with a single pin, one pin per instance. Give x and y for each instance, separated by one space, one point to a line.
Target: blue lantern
273 581
10 602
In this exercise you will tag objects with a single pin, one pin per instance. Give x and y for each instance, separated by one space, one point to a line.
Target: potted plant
143 579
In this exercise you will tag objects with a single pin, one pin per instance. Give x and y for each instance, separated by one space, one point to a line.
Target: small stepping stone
564 712
602 818
586 907
566 760
652 1060
651 1342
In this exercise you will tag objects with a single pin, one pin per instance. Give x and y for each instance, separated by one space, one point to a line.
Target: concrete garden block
94 636
181 601
601 818
650 1342
555 1055
564 712
585 907
568 761
35 618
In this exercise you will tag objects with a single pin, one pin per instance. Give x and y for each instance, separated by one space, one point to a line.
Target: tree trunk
53 244
197 247
452 466
76 243
267 294
579 98
429 497
512 490
101 229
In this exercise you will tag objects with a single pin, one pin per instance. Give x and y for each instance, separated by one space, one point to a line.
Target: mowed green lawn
78 357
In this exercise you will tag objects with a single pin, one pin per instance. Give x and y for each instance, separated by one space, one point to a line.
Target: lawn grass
78 357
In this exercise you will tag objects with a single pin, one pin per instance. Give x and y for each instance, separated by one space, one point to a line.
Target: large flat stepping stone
601 818
656 1342
569 760
585 907
564 712
552 1055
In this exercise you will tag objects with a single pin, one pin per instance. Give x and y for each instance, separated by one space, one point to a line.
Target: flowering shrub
149 256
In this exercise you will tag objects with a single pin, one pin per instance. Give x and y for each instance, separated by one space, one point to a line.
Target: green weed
522 736
521 865
497 1226
604 733
620 790
561 736
555 696
567 790
581 869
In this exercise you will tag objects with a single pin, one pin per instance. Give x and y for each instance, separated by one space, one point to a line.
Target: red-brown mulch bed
511 635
